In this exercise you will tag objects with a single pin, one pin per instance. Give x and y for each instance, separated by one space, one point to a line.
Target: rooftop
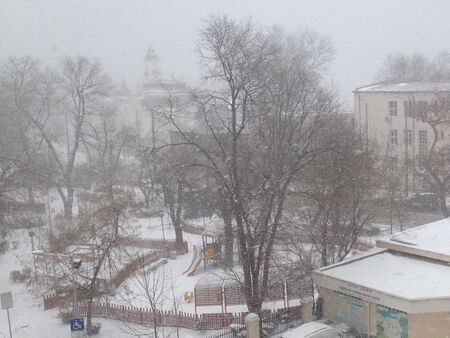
405 87
429 240
397 274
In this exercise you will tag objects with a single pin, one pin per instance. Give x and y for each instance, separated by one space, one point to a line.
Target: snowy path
28 318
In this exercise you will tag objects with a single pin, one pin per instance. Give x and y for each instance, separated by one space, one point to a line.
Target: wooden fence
210 321
56 300
135 265
232 293
150 243
192 229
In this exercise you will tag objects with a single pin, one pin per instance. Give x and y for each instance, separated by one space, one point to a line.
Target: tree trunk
30 193
228 229
228 255
442 203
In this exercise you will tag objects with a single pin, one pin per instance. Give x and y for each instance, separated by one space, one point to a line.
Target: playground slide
199 260
194 259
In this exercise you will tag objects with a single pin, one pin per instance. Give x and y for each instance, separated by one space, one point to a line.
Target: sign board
77 324
7 301
391 323
100 285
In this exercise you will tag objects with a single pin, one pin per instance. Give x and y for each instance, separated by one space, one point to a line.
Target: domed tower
151 66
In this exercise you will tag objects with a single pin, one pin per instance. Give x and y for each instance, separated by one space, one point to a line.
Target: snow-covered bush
95 328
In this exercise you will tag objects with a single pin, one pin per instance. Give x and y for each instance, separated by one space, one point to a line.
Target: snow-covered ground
28 318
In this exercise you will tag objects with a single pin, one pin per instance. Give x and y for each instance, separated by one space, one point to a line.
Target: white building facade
385 113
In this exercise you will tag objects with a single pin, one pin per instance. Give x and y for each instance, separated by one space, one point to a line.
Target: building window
422 107
408 107
423 142
392 108
409 164
408 137
392 163
393 136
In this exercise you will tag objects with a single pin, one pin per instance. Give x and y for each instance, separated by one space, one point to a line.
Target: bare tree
154 287
23 85
104 144
340 192
416 68
83 85
434 162
260 123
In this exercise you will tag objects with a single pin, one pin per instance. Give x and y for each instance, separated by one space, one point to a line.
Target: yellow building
399 290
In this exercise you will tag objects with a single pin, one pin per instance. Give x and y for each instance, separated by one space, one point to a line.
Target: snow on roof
429 240
394 273
405 87
213 226
309 328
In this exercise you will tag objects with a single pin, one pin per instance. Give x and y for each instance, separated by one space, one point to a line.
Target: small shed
400 289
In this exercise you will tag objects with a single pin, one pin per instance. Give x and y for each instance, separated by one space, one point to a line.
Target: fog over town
225 169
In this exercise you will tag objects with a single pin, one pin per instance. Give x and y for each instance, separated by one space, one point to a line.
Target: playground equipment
209 252
189 296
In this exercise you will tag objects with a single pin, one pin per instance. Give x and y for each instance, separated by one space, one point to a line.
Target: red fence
142 261
150 243
54 300
181 319
232 293
192 229
135 265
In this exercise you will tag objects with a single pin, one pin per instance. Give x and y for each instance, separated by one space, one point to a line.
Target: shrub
65 313
95 328
3 246
26 272
16 276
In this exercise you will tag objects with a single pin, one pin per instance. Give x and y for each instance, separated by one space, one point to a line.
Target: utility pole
7 303
76 263
31 234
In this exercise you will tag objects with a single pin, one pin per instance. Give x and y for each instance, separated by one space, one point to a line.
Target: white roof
214 226
430 240
405 87
307 329
397 274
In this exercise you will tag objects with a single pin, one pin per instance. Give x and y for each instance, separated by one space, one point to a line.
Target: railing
144 316
150 243
56 300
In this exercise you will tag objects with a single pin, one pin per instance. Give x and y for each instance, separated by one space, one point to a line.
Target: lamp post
31 234
161 215
76 263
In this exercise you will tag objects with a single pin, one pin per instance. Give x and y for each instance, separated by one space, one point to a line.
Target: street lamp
161 215
31 234
75 264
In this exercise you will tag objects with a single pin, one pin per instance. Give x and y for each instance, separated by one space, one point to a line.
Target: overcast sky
119 32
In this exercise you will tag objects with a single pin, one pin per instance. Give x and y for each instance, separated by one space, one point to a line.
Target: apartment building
385 112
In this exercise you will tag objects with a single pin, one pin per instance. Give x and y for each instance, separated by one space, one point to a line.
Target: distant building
401 289
157 97
144 112
384 112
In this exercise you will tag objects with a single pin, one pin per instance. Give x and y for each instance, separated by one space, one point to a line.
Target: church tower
152 70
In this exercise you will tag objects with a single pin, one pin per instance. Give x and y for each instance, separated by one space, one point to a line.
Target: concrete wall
369 310
430 325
